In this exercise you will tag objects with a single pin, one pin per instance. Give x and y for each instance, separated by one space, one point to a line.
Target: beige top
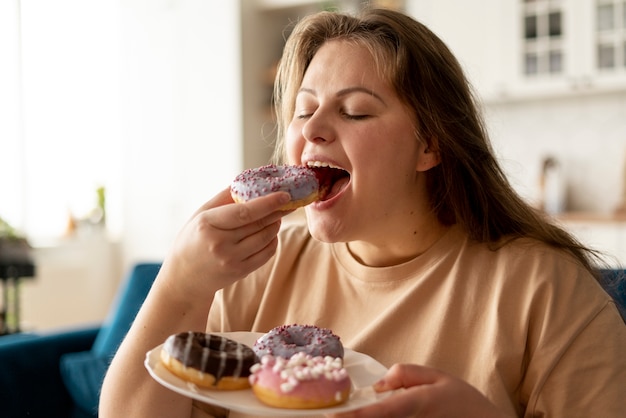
525 324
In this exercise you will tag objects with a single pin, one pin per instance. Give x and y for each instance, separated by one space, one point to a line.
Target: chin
324 230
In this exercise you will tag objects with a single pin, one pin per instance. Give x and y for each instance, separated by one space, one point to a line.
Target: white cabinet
587 57
495 41
592 53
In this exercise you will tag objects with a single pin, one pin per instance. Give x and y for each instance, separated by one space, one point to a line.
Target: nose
318 128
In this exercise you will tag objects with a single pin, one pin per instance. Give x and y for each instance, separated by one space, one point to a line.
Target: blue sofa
59 374
614 282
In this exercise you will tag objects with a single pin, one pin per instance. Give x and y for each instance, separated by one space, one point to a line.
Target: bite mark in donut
208 360
301 382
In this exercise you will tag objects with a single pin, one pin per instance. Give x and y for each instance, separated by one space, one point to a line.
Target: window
543 37
611 35
606 56
59 122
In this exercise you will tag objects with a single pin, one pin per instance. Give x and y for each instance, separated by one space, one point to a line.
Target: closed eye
355 117
346 115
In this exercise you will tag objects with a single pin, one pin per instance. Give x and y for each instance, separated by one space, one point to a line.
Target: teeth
320 164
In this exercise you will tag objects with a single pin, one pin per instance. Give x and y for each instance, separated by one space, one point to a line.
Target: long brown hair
468 187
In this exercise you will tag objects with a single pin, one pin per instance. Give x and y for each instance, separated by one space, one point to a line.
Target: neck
393 249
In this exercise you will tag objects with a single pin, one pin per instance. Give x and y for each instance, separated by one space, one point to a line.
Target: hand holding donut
427 393
222 243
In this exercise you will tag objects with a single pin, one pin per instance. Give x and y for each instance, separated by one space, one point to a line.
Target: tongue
336 187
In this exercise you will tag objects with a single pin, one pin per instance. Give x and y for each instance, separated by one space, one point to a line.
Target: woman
422 257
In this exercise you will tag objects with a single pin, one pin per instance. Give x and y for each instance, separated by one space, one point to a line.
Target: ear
428 156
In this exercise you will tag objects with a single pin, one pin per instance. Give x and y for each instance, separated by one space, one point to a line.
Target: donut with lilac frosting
300 382
300 182
287 340
208 360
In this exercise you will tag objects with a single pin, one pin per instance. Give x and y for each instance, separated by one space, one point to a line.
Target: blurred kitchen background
118 118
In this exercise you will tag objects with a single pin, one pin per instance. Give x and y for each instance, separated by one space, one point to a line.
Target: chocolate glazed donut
208 360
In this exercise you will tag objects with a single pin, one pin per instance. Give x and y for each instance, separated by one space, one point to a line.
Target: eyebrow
346 91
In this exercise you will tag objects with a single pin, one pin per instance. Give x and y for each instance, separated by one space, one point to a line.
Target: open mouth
332 179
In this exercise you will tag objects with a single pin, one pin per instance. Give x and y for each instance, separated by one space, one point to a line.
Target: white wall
586 133
181 114
476 31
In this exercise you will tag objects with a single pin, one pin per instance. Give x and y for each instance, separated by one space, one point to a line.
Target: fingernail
380 386
285 197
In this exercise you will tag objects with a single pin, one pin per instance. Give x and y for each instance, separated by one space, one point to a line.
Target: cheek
392 156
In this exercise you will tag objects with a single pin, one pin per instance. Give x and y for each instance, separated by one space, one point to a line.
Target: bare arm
222 243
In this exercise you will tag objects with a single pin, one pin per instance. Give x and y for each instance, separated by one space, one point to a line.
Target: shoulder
557 294
538 279
530 260
544 266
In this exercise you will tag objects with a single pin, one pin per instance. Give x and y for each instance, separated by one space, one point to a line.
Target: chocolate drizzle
209 353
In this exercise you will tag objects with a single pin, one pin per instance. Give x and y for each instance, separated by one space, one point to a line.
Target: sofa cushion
125 308
82 374
29 358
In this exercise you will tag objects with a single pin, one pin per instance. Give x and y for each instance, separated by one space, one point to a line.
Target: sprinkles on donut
301 382
299 181
287 340
304 184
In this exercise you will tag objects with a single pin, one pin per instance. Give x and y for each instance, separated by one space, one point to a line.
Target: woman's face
347 116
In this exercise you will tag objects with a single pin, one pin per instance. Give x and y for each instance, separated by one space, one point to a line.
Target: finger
406 404
220 199
240 214
249 235
259 258
250 253
258 238
242 232
407 375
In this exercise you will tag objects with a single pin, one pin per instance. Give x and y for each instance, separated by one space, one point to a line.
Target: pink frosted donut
287 340
301 382
299 181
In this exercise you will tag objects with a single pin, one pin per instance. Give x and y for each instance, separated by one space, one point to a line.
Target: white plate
363 370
